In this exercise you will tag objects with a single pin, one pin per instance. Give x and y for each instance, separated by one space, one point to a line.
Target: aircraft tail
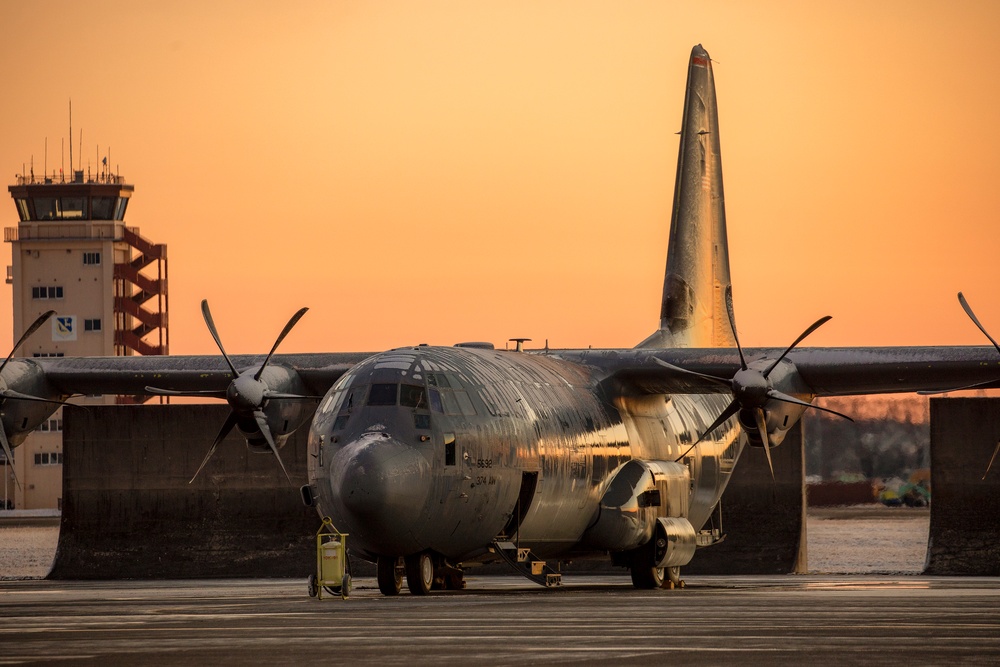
693 311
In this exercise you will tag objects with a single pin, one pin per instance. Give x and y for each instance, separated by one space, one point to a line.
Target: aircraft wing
820 371
131 375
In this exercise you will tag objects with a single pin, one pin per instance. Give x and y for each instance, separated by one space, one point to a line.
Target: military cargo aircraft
435 458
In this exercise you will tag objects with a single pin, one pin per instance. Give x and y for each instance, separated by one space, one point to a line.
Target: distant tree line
890 437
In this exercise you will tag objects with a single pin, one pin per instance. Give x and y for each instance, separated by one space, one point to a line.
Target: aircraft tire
419 573
647 577
390 579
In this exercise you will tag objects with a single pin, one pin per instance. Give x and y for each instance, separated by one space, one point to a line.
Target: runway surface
853 620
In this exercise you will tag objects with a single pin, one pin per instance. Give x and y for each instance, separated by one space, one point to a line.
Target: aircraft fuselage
444 449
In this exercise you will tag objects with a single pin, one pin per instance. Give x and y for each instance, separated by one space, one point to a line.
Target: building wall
48 255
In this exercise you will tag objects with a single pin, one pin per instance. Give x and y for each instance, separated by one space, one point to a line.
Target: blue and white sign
64 327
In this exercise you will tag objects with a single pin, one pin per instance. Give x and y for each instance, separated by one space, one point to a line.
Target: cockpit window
383 394
436 400
412 396
437 380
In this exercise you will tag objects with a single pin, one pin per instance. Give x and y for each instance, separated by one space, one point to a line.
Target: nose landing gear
419 573
389 573
424 573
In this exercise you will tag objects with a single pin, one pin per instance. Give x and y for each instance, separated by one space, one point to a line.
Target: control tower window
120 208
45 208
22 209
72 207
102 208
383 394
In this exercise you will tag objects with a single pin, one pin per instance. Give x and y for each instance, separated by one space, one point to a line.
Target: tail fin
693 313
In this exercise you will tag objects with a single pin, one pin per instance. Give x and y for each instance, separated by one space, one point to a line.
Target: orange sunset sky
424 171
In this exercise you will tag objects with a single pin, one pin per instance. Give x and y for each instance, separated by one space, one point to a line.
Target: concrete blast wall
763 519
129 512
965 509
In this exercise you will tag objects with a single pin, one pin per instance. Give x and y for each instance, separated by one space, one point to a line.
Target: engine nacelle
641 493
674 542
20 417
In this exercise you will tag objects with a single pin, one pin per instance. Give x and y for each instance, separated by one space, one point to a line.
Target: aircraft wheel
419 573
647 576
390 579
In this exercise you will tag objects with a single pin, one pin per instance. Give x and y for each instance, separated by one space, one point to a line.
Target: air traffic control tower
73 253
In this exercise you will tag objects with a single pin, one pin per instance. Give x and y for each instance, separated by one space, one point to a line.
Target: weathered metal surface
692 311
965 510
129 512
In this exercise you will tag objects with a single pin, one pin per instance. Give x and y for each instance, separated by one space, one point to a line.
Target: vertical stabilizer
693 311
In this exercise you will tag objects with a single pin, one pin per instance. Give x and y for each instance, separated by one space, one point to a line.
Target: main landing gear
424 572
646 575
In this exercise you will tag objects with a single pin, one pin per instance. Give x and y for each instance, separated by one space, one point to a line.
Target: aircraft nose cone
380 488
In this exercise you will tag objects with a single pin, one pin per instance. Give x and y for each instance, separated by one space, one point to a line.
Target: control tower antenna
71 139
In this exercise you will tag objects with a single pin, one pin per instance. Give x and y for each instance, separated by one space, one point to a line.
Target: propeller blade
992 459
762 429
30 330
732 325
284 332
730 410
785 398
266 430
815 325
207 314
268 394
972 316
723 381
223 432
9 454
210 393
18 396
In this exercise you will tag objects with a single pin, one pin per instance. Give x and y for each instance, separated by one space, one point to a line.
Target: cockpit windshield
383 394
412 396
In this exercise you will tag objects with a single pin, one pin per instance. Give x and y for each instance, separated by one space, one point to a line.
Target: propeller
246 394
751 388
7 394
975 320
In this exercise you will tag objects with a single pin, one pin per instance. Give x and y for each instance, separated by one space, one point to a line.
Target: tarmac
793 619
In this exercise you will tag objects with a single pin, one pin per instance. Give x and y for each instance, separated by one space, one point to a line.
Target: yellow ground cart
333 569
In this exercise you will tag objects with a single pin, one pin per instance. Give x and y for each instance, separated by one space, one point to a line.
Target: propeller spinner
246 394
751 388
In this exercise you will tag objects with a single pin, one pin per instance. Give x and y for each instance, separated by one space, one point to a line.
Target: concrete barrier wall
764 519
965 509
129 512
